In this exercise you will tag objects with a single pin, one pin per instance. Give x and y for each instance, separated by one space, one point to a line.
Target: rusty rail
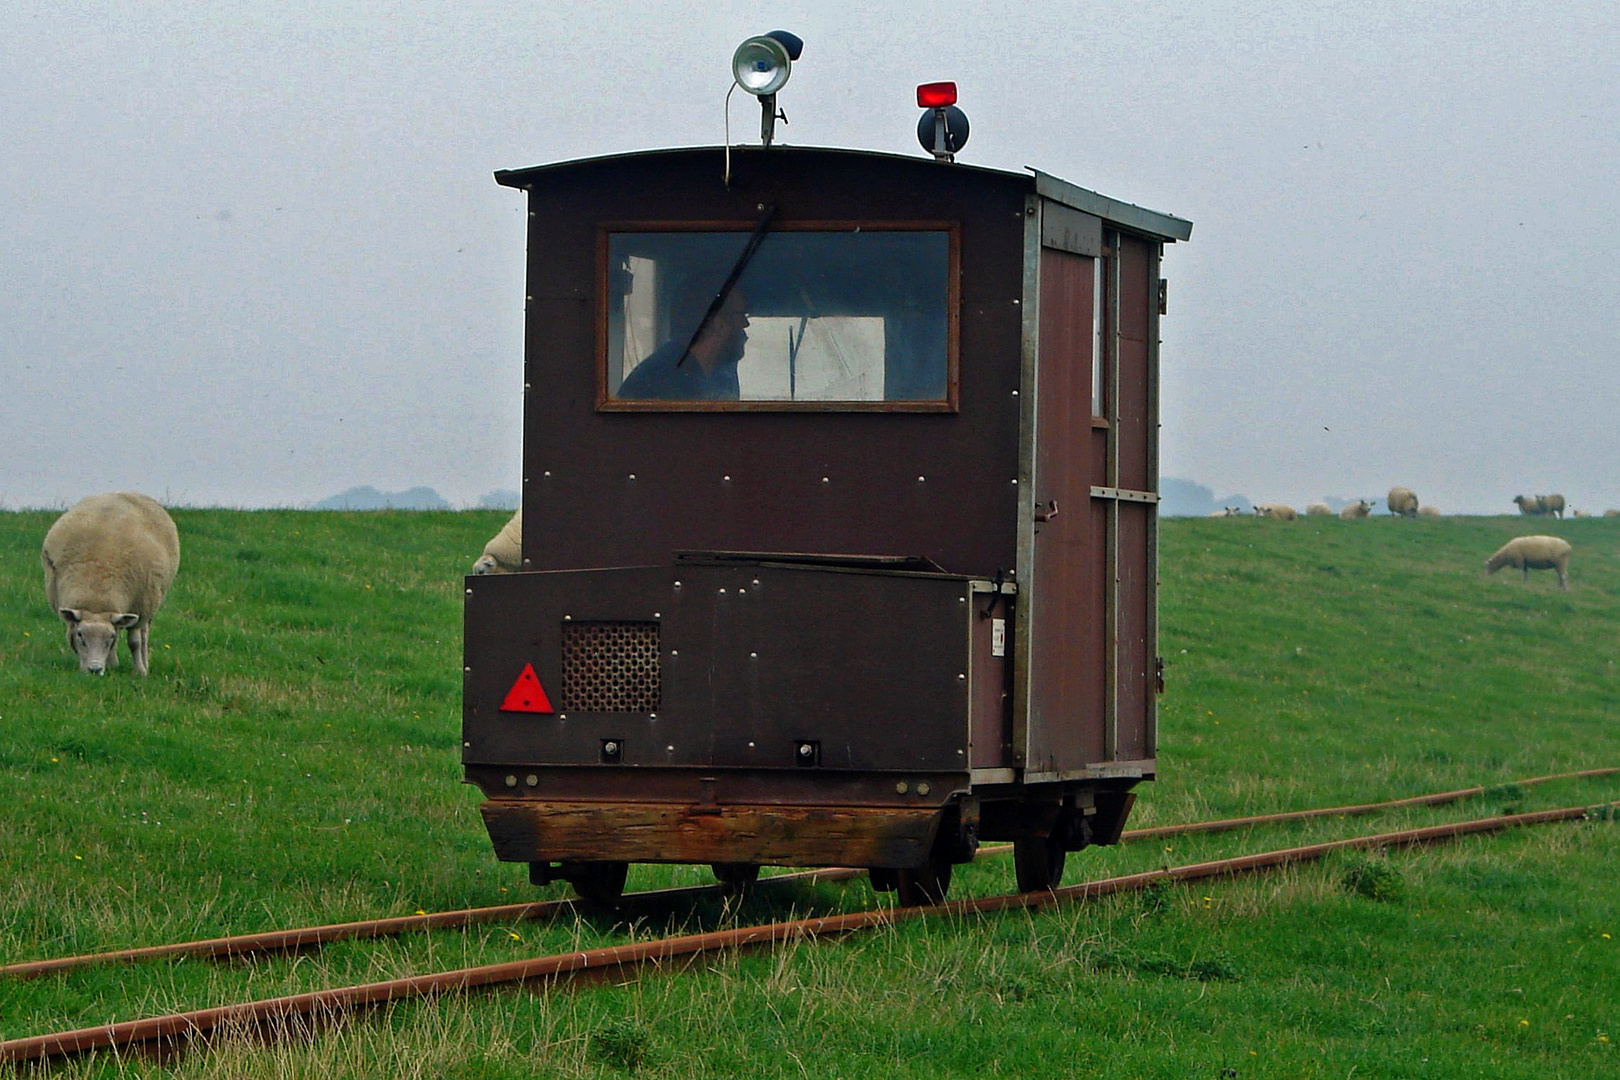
303 937
181 1027
1350 811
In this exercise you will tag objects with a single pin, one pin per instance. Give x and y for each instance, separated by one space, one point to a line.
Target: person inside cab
707 369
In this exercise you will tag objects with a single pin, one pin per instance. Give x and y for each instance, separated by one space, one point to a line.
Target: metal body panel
610 488
755 660
1062 723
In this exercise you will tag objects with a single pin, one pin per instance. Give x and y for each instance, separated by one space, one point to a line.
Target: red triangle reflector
527 695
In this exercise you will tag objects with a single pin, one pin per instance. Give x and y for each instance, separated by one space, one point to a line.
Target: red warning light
936 95
527 695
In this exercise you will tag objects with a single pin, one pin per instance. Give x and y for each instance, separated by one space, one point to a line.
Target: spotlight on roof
943 128
761 65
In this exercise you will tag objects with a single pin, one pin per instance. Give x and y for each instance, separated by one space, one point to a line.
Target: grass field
293 760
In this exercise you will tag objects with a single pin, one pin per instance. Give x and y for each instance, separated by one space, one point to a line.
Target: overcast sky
253 254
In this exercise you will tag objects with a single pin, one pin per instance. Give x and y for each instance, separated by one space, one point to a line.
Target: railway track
304 937
174 1029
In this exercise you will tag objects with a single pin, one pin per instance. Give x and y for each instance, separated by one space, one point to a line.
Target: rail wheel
1038 861
596 882
926 884
735 875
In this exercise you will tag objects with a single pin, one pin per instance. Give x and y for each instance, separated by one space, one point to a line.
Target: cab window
857 317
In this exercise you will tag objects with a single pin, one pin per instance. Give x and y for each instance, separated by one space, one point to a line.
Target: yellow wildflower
513 936
1524 1023
419 911
79 857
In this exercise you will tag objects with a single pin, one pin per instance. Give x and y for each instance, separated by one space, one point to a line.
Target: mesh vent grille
610 667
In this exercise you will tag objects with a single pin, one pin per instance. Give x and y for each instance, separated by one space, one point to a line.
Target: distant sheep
1581 513
504 552
108 563
1529 553
1225 512
1356 510
1318 509
1611 513
1552 504
1403 501
1276 511
1529 505
1428 511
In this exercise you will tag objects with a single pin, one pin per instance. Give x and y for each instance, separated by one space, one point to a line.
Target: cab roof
1164 227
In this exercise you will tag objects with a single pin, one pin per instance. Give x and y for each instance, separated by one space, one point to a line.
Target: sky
253 255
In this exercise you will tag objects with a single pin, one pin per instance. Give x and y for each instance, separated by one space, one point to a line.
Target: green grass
293 759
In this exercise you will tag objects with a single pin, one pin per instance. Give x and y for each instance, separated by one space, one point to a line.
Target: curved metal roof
1123 214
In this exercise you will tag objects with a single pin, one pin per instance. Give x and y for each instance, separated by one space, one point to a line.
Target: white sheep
1276 511
1356 510
1318 509
1402 501
108 563
1529 505
1428 511
1529 553
1611 513
504 552
1581 513
1552 504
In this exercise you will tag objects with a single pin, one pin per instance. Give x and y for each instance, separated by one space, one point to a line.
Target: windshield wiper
731 279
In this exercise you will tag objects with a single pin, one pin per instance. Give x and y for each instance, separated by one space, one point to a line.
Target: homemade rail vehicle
839 519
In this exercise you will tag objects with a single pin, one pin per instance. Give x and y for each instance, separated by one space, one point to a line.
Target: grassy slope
292 760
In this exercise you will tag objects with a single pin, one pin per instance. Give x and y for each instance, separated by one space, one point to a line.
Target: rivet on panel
658 614
466 669
670 748
674 652
632 476
531 780
468 745
922 788
961 678
741 591
677 584
750 744
1015 481
511 781
652 716
1015 393
901 788
753 656
826 479
921 479
568 618
546 473
562 716
469 592
727 479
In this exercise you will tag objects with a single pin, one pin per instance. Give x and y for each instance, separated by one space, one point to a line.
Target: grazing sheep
504 552
1529 505
1428 511
1276 511
1529 553
1611 513
1318 509
1581 513
1356 510
1552 504
108 562
1403 501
